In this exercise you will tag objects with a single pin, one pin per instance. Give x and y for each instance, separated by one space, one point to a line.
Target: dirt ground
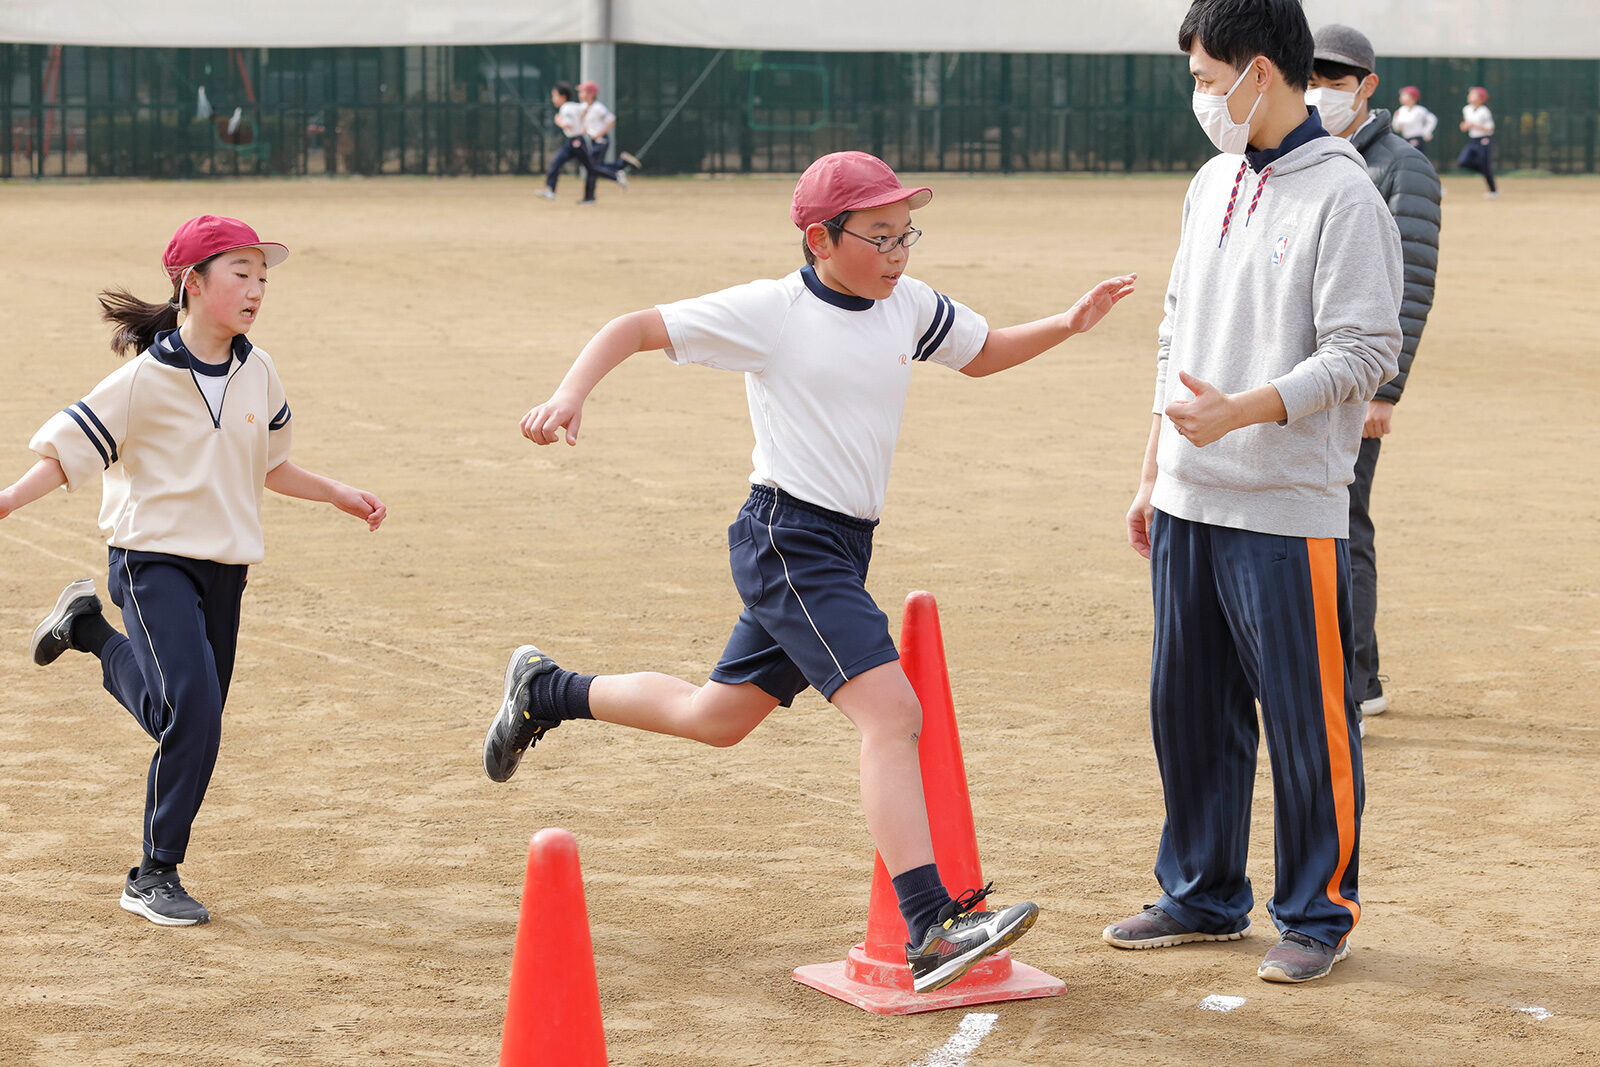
364 875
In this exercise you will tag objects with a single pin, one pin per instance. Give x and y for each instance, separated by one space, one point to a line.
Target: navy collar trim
1306 132
808 274
170 349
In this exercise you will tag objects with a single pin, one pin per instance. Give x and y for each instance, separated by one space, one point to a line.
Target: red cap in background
206 235
848 181
589 87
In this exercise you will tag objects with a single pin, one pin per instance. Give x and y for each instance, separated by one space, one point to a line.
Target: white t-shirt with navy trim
569 117
826 375
595 118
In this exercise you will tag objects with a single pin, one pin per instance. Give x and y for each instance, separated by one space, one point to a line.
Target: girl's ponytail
137 322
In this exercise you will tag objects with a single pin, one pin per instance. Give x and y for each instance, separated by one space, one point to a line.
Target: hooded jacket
1290 276
1410 186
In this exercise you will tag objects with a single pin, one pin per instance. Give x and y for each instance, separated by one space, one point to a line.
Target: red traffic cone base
874 975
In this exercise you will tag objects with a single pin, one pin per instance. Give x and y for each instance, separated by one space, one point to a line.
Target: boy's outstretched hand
1093 305
543 425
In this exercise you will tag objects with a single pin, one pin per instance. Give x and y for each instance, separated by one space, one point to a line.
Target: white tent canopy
1492 29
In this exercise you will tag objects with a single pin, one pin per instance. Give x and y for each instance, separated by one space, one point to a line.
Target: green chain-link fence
133 112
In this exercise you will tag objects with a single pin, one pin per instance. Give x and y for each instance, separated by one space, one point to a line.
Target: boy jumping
827 354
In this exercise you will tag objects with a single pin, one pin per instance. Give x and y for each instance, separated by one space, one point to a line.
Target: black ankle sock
560 694
91 632
922 895
150 863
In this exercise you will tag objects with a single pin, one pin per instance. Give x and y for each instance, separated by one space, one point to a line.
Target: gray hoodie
1303 292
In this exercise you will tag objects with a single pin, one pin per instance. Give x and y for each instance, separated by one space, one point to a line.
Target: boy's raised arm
1007 347
639 331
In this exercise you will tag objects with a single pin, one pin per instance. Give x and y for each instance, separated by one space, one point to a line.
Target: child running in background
184 437
1478 124
598 122
827 353
1414 122
569 117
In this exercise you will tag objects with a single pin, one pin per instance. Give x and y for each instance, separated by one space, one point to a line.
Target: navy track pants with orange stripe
1242 617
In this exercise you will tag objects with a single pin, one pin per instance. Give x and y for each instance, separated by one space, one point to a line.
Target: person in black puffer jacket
1342 87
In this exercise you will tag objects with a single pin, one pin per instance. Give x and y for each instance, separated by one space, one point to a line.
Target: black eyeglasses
887 243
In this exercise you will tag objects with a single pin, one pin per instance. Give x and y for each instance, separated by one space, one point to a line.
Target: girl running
184 437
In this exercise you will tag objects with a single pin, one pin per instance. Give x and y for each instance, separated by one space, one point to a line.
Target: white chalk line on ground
1218 1002
963 1043
1538 1013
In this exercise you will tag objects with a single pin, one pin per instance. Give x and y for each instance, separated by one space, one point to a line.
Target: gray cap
1341 44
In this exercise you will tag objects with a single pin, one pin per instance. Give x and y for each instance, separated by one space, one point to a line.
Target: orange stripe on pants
1330 661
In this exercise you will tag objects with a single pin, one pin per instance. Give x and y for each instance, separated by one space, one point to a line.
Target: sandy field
364 875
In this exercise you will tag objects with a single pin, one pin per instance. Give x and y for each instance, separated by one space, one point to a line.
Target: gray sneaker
161 898
53 636
546 193
1154 928
1298 958
514 730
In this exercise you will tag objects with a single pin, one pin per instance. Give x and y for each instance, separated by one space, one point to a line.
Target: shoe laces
962 905
1303 941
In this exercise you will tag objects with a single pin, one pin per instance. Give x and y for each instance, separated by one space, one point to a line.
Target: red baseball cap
848 181
589 87
207 235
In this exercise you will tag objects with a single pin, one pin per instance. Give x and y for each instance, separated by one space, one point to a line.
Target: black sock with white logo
90 633
560 695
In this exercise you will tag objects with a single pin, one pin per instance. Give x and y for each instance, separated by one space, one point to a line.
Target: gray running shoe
1298 958
161 898
622 179
631 160
53 636
961 937
546 193
514 730
1154 928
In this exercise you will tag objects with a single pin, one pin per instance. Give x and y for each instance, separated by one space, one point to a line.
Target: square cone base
887 988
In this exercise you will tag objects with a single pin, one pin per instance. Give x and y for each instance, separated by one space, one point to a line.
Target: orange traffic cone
553 1010
874 975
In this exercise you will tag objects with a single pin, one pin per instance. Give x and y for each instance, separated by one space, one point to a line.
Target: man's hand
543 424
1140 516
1209 417
1380 414
1093 305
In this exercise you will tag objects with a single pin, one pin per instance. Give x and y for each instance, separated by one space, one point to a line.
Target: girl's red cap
206 235
848 181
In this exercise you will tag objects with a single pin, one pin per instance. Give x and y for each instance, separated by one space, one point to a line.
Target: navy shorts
808 620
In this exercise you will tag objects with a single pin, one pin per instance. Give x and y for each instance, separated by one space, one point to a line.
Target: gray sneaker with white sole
53 636
1154 928
1298 958
161 898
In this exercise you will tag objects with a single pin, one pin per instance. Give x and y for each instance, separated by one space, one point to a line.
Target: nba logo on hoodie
1279 250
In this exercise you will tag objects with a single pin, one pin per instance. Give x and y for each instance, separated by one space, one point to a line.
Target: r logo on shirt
904 359
251 418
1279 250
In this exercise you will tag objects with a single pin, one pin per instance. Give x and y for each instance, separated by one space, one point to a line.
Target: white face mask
1212 111
1337 107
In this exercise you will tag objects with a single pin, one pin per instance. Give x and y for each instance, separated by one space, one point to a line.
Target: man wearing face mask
1282 319
1342 88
